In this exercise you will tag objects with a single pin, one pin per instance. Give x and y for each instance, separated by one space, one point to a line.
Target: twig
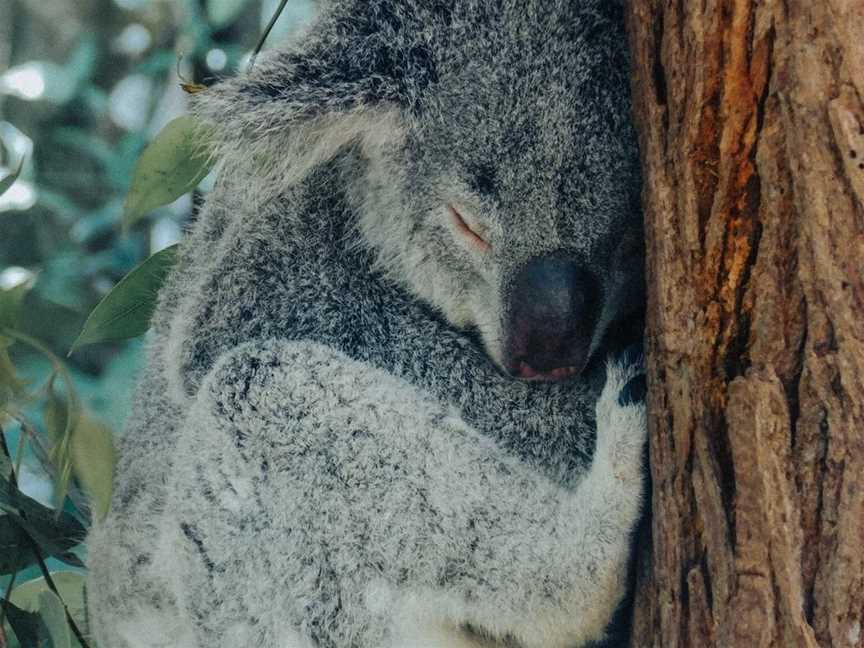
266 33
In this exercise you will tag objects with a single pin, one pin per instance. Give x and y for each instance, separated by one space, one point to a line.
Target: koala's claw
621 418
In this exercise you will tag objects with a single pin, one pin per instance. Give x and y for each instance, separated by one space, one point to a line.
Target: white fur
584 533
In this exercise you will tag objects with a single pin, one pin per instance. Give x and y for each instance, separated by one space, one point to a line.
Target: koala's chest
336 299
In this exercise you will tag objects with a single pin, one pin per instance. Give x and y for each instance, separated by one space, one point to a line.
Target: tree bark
751 120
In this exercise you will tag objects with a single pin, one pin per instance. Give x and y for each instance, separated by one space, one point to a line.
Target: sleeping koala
386 403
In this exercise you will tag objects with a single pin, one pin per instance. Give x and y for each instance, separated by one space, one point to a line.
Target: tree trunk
751 120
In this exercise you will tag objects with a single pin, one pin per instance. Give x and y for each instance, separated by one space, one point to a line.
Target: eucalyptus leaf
10 179
93 460
172 164
54 415
11 303
54 617
71 558
14 554
54 532
11 386
221 13
27 626
60 418
125 312
40 451
71 587
5 461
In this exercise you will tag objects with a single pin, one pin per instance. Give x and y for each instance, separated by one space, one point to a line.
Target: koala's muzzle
550 318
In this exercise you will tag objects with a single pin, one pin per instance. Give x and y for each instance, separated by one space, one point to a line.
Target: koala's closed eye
473 233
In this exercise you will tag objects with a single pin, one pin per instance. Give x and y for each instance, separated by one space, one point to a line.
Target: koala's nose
550 318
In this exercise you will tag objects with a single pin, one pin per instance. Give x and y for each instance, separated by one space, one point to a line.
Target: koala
387 400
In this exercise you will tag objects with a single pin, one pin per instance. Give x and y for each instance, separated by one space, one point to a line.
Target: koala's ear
360 67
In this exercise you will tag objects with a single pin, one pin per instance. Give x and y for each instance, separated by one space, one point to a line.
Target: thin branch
266 33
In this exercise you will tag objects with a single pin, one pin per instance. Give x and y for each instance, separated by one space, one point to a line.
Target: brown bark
751 119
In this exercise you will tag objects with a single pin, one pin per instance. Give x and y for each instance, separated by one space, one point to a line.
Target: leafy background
84 86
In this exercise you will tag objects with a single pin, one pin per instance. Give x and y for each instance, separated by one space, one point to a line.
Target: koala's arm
320 501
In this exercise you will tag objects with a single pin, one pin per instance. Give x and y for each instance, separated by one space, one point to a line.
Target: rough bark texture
751 116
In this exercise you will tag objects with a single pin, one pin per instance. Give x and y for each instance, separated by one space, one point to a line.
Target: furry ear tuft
354 71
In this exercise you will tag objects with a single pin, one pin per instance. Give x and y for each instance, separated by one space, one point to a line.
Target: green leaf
60 420
54 617
27 626
221 13
10 179
173 164
14 554
5 463
93 460
43 456
11 301
71 587
54 415
11 387
54 533
125 312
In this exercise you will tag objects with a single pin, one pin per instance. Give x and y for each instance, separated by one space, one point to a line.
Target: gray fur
324 450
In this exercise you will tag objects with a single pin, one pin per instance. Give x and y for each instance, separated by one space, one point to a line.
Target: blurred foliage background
84 85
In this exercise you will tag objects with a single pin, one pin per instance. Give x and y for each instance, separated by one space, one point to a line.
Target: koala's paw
621 417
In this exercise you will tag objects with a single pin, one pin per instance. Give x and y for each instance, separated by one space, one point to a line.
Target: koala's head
502 182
